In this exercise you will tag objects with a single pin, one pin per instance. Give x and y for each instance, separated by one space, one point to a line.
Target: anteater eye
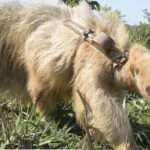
137 71
134 71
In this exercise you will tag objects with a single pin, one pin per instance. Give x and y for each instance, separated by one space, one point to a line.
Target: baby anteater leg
42 96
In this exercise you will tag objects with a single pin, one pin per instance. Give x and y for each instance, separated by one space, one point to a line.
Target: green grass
22 128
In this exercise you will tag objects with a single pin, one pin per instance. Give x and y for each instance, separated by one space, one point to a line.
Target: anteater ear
105 41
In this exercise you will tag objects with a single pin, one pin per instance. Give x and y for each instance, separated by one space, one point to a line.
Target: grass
22 128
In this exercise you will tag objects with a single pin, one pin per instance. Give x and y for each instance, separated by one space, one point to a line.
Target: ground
22 128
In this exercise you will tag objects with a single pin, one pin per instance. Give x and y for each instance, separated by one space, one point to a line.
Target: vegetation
140 33
94 4
22 128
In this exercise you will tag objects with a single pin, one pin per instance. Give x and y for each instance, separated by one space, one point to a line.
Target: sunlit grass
22 128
